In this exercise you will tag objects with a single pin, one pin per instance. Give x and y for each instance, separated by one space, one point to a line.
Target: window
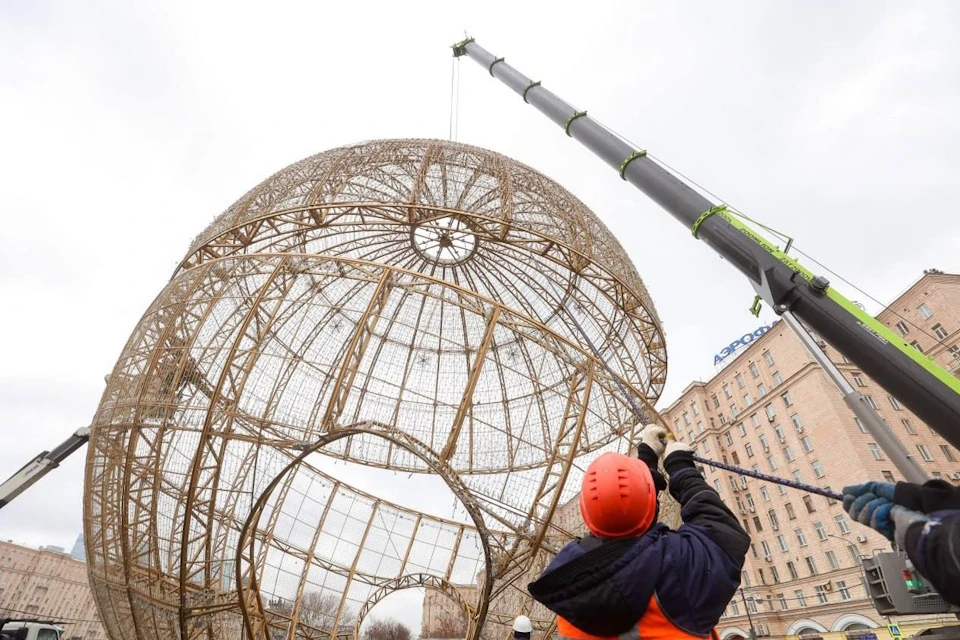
728 437
765 493
871 401
734 410
778 431
761 390
726 392
700 426
841 523
743 481
753 550
795 419
940 331
750 502
790 512
782 490
749 449
735 456
792 569
908 426
774 522
695 408
874 451
756 523
772 462
821 594
764 442
817 468
895 403
947 453
858 379
752 605
686 418
821 532
830 501
843 590
734 608
806 444
798 476
811 565
740 382
745 578
766 548
754 371
888 476
782 542
676 425
801 601
747 399
775 575
916 345
692 436
746 525
937 474
925 311
801 537
783 602
924 453
755 420
777 380
763 578
787 400
706 445
832 559
788 454
903 328
771 411
860 425
716 485
742 430
768 358
808 503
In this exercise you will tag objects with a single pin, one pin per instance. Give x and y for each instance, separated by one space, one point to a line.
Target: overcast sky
126 127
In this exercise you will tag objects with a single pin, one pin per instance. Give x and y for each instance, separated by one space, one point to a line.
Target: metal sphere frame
410 306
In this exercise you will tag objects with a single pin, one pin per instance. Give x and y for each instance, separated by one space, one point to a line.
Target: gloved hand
902 519
673 447
874 512
879 489
653 436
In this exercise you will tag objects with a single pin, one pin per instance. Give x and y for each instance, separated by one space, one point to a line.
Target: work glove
675 446
879 489
902 519
874 512
677 456
654 436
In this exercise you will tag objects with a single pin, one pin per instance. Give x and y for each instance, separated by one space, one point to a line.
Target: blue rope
644 417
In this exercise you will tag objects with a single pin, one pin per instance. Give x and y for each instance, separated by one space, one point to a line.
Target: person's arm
933 545
701 505
650 449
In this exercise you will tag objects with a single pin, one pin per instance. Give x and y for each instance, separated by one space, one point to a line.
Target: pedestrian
522 628
634 575
922 520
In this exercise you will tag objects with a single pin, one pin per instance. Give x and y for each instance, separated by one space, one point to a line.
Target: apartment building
48 584
772 409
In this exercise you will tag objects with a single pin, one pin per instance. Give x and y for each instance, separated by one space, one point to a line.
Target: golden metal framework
401 304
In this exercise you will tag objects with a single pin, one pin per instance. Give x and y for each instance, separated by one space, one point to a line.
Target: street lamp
753 631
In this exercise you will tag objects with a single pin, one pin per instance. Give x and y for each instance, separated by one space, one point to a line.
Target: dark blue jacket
604 587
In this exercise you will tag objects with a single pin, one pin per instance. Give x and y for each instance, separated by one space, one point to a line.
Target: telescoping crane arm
41 466
928 390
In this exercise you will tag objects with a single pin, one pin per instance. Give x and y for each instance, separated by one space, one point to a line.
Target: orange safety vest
654 625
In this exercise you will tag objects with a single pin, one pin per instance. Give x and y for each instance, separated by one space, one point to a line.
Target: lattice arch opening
415 305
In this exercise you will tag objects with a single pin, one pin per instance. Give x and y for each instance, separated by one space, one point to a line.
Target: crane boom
40 466
929 391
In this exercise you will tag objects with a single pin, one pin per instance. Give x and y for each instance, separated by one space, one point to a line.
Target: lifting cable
644 417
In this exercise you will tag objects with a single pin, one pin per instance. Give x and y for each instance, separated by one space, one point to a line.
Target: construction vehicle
40 466
805 301
23 629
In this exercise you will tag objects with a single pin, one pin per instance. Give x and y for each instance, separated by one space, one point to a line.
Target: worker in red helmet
633 575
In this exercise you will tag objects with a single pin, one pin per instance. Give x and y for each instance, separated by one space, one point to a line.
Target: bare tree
448 626
386 629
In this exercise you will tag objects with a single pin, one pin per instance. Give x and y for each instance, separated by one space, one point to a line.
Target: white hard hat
523 624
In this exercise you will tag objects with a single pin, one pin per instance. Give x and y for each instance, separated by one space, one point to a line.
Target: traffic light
897 588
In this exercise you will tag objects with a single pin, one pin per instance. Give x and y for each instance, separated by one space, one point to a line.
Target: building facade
773 410
48 584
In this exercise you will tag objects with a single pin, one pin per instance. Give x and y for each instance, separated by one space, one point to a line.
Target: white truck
29 630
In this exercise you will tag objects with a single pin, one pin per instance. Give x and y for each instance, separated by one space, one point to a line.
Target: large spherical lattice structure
410 305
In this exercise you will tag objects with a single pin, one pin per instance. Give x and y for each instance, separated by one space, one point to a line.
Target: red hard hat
617 498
